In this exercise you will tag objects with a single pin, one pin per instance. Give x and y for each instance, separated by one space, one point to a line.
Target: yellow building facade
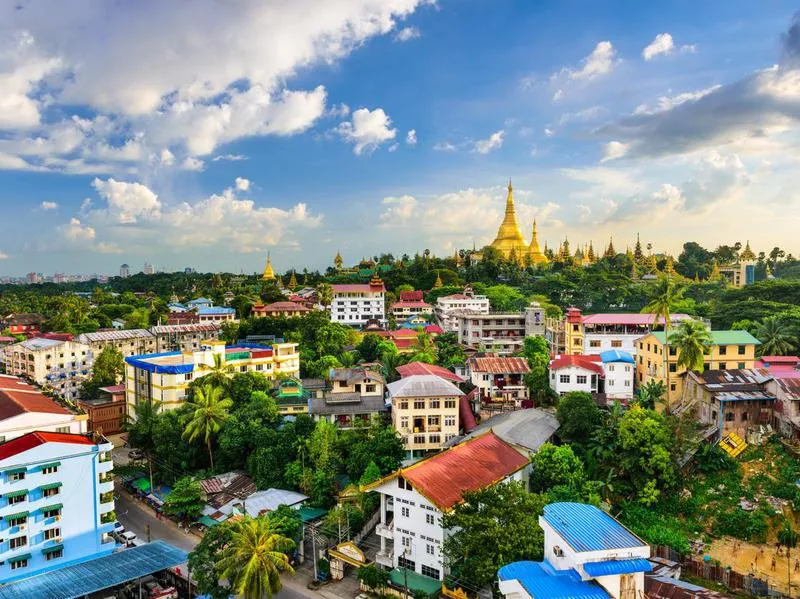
729 350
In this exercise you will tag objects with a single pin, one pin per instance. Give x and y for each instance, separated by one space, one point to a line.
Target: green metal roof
207 521
49 486
52 549
416 582
307 514
142 484
47 508
19 493
722 338
17 515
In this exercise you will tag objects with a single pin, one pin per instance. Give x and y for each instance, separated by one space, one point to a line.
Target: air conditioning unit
57 539
558 551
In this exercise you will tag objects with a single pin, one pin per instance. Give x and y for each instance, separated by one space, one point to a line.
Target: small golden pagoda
747 254
715 274
610 252
438 283
269 274
509 238
293 281
534 252
338 262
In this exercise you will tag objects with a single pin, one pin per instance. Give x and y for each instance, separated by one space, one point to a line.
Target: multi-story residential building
24 409
415 368
787 405
353 394
587 554
425 411
729 350
410 304
28 323
165 377
291 397
200 310
610 374
500 332
183 337
61 365
57 503
277 309
128 342
499 379
149 269
450 306
577 334
216 314
414 499
106 412
354 305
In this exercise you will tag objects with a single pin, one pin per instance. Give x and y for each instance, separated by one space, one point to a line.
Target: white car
118 527
127 538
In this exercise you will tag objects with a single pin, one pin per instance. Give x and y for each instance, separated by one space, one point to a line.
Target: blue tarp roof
543 582
215 310
619 566
97 574
142 362
587 528
615 355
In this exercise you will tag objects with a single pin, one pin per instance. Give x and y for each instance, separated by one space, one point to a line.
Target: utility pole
314 550
405 575
147 531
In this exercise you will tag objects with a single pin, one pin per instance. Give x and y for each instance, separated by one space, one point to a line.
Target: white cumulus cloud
406 34
367 130
411 137
128 202
662 44
493 142
613 150
242 184
599 62
48 205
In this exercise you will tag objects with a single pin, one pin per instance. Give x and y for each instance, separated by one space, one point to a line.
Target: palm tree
692 339
218 373
254 558
324 294
777 339
209 409
665 295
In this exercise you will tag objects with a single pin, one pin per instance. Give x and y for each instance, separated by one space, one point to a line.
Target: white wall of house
619 379
356 307
16 426
573 378
595 343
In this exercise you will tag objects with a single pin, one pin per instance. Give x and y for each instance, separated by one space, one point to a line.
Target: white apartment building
61 365
24 409
450 306
500 332
165 377
425 412
611 373
587 554
183 337
128 342
355 304
413 499
57 506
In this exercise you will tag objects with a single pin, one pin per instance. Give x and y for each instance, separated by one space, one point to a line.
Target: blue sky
206 137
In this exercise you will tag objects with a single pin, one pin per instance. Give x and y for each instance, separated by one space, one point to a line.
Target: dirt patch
747 558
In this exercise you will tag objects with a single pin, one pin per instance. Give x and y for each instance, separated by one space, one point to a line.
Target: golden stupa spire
610 252
534 251
438 283
715 274
269 274
293 282
337 261
747 254
509 236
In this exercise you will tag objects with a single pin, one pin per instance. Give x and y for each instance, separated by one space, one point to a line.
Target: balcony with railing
385 530
385 558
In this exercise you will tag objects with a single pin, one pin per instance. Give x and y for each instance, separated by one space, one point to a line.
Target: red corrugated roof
469 466
36 438
18 397
356 287
413 368
410 296
465 413
281 307
411 304
630 318
592 363
780 359
499 365
434 329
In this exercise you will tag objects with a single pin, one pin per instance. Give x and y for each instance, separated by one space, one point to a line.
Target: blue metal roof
143 362
619 566
215 310
615 355
199 300
542 582
586 528
97 574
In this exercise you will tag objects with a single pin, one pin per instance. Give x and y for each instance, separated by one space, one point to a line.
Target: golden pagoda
509 238
293 281
438 283
590 254
337 261
534 252
610 252
457 258
652 265
269 274
715 274
669 268
747 254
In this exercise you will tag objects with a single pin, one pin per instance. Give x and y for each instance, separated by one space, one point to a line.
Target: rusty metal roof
499 365
473 465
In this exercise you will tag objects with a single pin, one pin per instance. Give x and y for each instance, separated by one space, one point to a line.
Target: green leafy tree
492 527
255 557
665 295
578 415
449 352
645 456
692 341
652 393
556 465
208 410
286 521
368 348
324 294
505 298
374 577
776 336
108 368
207 575
186 499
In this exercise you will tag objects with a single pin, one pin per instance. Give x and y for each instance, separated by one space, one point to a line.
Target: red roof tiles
499 365
413 368
18 397
410 296
470 466
36 438
591 363
282 307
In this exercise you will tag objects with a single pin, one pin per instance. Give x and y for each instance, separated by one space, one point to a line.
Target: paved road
135 516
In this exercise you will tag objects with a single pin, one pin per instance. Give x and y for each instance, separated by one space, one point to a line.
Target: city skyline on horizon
389 127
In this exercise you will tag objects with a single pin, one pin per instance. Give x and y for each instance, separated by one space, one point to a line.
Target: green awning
16 470
207 521
17 515
416 582
19 558
50 486
142 484
47 508
19 493
52 549
307 514
50 465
